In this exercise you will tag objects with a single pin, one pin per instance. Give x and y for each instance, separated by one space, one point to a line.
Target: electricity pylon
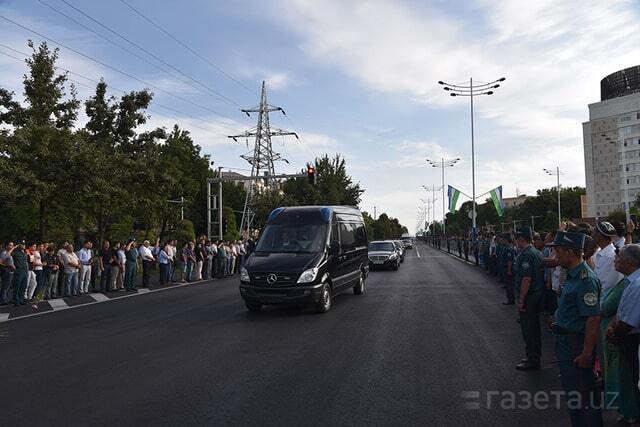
261 158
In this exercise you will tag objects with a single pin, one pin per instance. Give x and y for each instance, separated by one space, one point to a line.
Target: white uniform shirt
605 269
145 253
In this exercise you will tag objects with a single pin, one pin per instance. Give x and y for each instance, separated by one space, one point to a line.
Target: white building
613 129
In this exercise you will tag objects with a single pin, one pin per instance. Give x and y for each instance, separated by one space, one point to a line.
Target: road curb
99 298
454 256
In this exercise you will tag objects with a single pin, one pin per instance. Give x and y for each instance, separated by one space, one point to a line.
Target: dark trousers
165 272
105 279
6 275
530 326
20 278
39 281
630 347
550 301
578 381
508 287
146 273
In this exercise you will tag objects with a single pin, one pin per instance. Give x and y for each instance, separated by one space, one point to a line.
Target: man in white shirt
605 257
122 259
147 261
214 264
85 256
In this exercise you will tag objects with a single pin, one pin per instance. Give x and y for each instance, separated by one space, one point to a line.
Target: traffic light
311 174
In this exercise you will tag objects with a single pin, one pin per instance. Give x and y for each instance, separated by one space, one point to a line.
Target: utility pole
262 157
443 164
375 216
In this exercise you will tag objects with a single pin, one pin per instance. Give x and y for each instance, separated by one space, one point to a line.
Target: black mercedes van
306 255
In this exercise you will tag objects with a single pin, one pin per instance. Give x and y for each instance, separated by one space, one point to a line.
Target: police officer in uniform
576 330
529 284
510 258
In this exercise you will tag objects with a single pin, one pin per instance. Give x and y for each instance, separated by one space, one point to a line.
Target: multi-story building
612 144
511 202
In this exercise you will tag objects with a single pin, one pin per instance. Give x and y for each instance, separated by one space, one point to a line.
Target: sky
359 78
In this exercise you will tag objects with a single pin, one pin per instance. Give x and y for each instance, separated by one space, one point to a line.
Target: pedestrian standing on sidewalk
20 273
222 260
624 330
164 265
50 273
85 256
115 272
131 266
529 284
199 255
147 262
71 268
576 328
104 264
6 272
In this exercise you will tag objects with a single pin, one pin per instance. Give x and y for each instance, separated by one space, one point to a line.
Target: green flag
496 196
453 198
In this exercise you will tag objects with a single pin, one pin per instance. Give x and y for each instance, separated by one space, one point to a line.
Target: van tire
396 266
326 300
253 307
359 288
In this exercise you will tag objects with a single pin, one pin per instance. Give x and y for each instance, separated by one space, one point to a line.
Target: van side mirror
334 248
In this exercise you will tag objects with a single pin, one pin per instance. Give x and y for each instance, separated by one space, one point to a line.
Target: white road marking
417 252
58 304
99 297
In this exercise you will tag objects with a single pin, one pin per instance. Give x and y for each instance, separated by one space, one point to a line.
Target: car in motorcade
306 255
383 254
407 241
400 248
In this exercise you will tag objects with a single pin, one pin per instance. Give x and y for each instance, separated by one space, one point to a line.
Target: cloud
552 53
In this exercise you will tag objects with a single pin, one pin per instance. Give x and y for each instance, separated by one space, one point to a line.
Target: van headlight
244 275
393 256
308 276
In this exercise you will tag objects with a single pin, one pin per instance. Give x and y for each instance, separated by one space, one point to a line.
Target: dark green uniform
510 256
130 269
579 300
530 263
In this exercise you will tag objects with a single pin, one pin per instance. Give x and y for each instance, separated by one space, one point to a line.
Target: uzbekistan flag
454 194
496 197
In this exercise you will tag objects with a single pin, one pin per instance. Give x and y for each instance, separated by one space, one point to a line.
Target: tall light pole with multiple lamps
557 174
433 190
470 89
443 164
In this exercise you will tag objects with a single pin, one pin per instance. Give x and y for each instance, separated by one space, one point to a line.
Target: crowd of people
584 281
34 272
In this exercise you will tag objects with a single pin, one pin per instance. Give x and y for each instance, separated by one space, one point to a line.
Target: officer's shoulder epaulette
584 274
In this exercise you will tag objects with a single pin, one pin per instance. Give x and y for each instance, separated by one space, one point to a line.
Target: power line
181 43
97 61
156 104
213 91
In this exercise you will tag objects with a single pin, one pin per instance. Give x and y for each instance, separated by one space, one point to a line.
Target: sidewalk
9 312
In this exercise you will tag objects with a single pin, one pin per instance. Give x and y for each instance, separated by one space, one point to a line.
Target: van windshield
293 238
381 247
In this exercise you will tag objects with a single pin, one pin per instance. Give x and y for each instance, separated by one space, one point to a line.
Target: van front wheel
359 288
326 300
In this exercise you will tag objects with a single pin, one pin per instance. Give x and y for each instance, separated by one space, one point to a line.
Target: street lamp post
471 90
557 174
433 190
443 164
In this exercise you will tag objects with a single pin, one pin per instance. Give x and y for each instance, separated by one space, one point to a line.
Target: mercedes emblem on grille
271 279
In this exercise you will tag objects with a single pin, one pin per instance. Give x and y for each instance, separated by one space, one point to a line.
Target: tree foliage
60 182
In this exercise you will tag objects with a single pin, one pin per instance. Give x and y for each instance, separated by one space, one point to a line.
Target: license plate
378 262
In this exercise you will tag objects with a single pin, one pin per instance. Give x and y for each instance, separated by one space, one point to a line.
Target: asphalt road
414 350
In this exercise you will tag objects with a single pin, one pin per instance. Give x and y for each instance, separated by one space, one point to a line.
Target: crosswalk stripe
58 304
99 297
